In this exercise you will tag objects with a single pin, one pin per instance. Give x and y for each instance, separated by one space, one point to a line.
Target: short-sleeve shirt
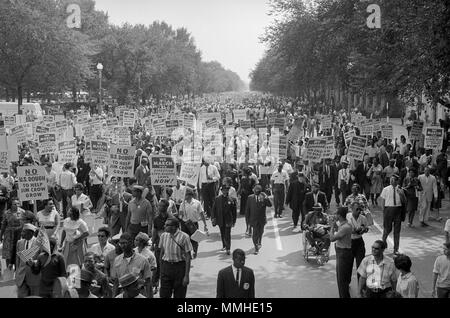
346 240
279 177
388 195
148 255
74 228
407 285
175 247
356 224
378 275
136 264
191 211
97 250
442 268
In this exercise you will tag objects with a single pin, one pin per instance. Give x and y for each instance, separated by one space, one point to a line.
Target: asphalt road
280 268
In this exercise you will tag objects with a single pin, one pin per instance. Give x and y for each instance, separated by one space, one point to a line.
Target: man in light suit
236 281
255 213
27 282
429 186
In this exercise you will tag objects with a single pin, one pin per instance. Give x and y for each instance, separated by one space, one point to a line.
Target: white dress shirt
191 211
67 180
213 173
344 175
388 195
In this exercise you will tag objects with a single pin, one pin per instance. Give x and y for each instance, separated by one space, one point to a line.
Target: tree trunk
74 93
7 94
19 98
28 96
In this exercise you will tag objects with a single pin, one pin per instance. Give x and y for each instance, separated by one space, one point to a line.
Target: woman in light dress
376 187
49 218
73 238
82 203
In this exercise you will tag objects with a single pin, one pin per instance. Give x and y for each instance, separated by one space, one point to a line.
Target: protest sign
99 152
207 116
282 147
376 125
67 150
349 135
239 114
171 125
433 138
4 163
41 130
279 123
48 118
112 122
211 123
315 149
387 131
123 136
366 130
19 133
9 121
163 171
188 121
189 172
261 123
121 161
357 148
47 144
329 151
326 122
245 124
416 130
21 119
88 152
129 119
32 183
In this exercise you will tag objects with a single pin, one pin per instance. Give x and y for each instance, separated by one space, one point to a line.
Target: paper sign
67 151
129 119
121 161
163 171
315 149
99 152
239 114
433 138
329 152
366 130
123 136
47 144
32 183
357 148
387 131
326 123
190 172
416 130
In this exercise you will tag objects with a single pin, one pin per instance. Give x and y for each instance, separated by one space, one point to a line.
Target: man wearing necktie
27 282
391 204
237 280
326 180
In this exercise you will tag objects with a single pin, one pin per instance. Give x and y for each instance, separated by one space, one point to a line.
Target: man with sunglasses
103 247
175 260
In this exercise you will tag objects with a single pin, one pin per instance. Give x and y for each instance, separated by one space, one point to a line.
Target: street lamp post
100 105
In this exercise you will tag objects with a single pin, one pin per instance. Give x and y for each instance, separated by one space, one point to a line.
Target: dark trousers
66 195
258 231
344 266
412 208
295 215
344 192
134 229
120 224
328 192
208 195
392 215
278 198
243 203
225 234
95 194
185 230
377 295
172 275
337 192
442 292
358 252
157 273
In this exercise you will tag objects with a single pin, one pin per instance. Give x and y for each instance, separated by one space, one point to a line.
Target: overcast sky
227 31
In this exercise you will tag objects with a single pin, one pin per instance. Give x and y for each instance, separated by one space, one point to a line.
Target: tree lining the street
327 46
40 54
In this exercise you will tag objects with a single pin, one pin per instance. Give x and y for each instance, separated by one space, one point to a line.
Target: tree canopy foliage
39 53
325 41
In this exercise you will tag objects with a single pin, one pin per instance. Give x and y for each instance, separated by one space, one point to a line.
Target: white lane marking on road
277 235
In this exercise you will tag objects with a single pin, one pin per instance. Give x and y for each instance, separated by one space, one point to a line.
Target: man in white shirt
66 181
279 181
96 180
178 195
103 247
391 204
209 177
343 180
191 211
429 186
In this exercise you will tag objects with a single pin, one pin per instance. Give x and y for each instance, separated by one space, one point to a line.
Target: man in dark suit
361 176
236 281
335 167
313 197
255 213
326 180
223 214
27 282
294 198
